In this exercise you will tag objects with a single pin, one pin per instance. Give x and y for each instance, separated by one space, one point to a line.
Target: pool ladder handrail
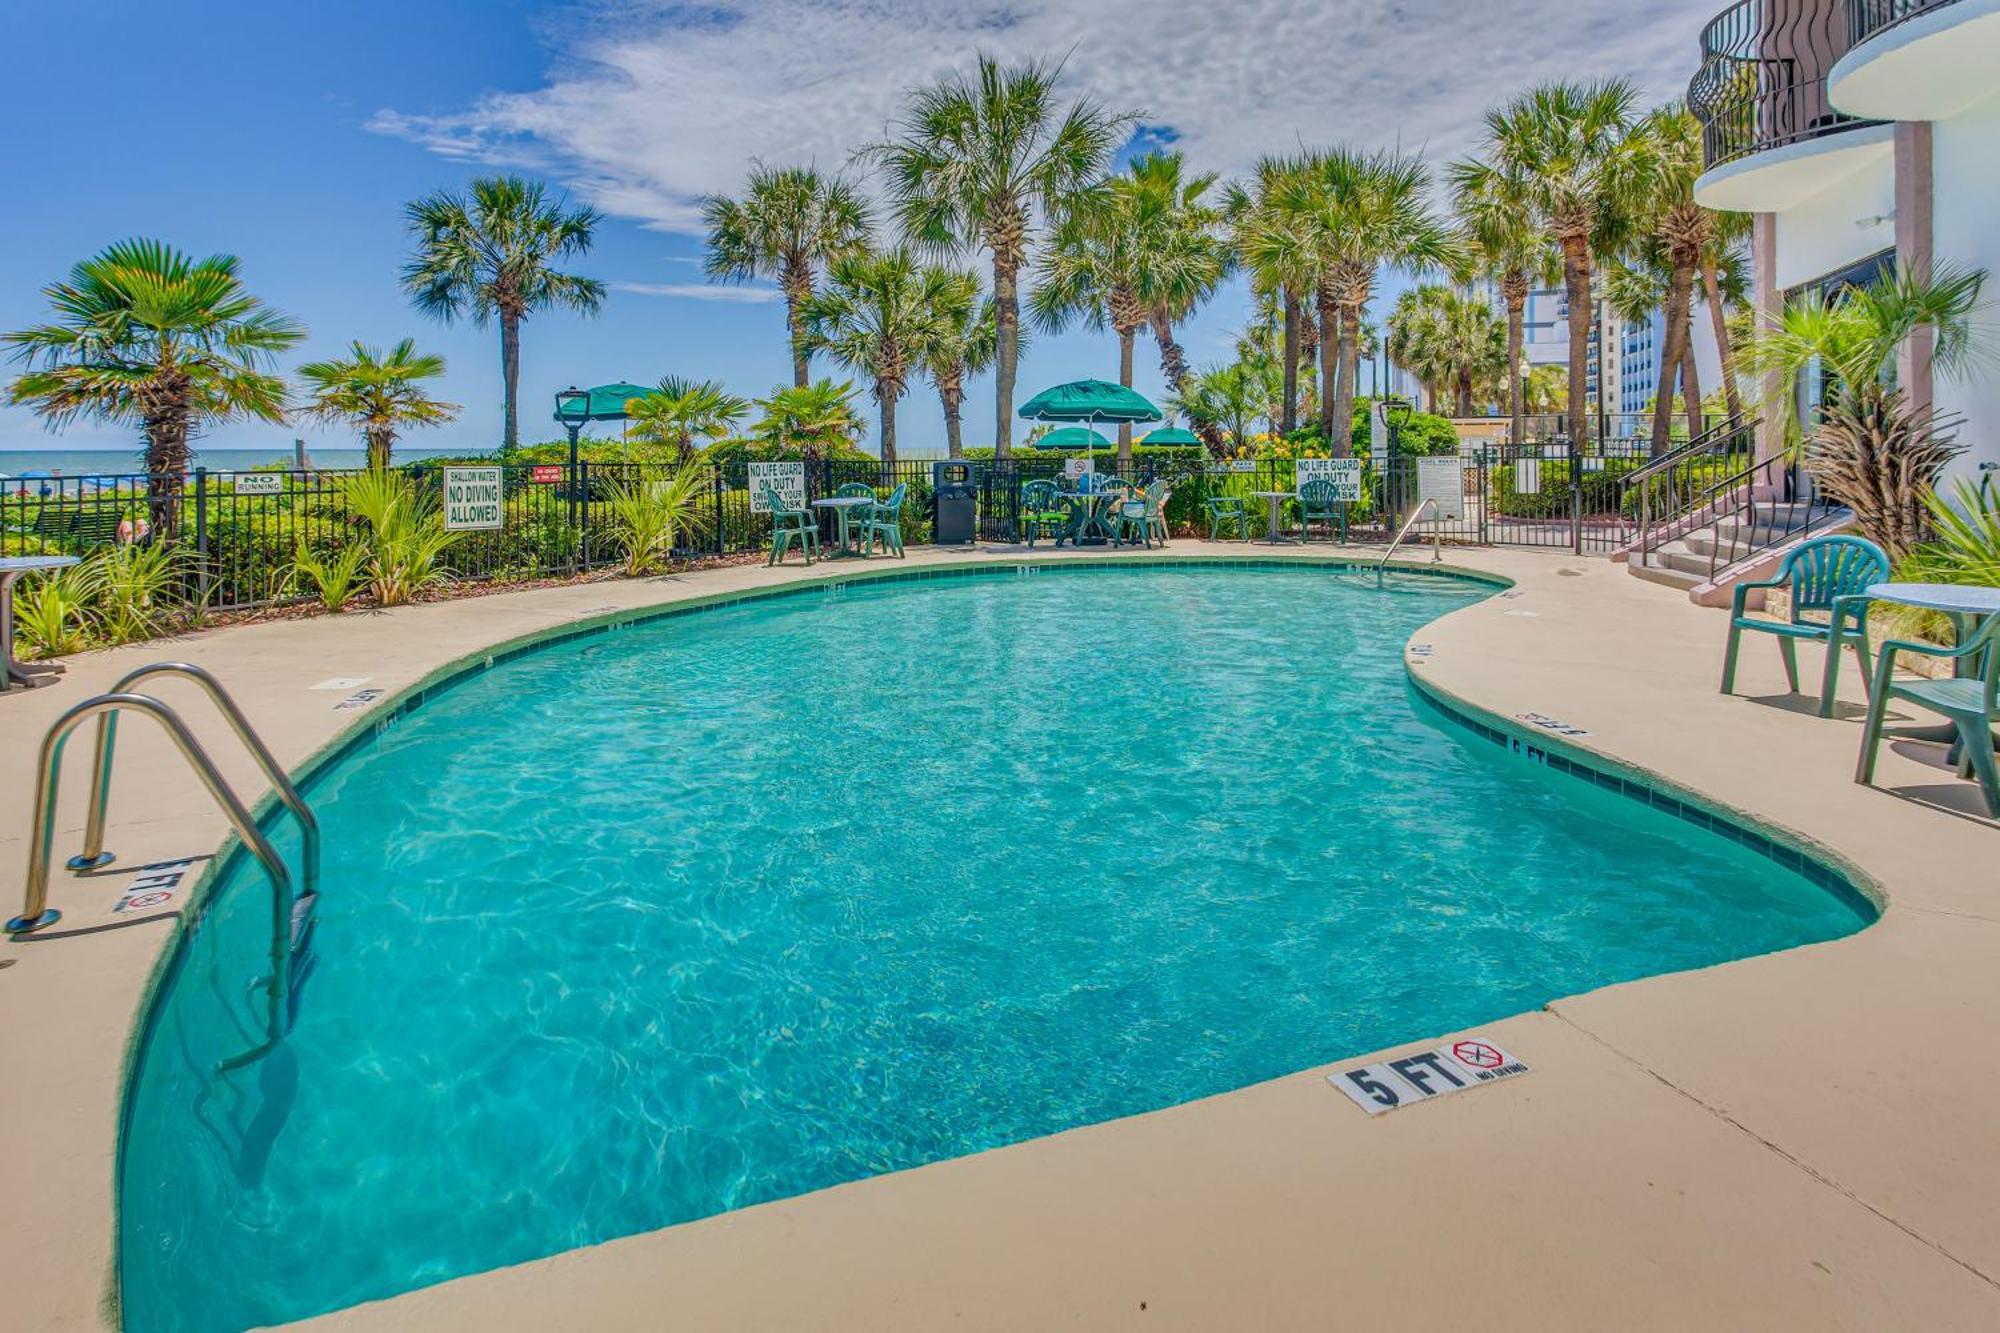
94 856
1437 545
286 912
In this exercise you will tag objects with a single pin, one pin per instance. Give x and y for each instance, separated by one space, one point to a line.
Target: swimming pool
644 926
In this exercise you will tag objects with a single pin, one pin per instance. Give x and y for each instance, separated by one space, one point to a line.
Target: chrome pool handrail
1437 553
36 913
94 855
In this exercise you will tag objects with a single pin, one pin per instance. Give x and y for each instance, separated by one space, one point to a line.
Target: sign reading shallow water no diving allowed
471 498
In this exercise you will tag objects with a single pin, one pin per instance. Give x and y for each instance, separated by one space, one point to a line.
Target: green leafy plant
649 514
135 584
52 611
1965 545
407 538
334 579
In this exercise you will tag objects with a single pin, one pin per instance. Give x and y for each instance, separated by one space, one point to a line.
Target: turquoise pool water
654 924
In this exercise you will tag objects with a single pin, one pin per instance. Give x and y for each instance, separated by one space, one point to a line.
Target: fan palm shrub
334 578
492 254
681 411
651 514
379 394
1964 545
407 538
134 587
53 609
972 165
809 422
147 336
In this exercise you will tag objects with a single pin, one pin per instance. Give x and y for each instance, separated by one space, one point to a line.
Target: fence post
1485 495
201 575
1575 497
582 504
716 475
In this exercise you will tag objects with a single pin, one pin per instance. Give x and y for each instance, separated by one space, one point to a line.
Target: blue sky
292 134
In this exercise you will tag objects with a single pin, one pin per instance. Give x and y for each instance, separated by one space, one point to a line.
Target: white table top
845 501
1273 495
1964 598
23 564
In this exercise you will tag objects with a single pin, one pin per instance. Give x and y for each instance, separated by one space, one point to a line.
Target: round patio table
1089 521
11 569
1272 537
843 507
1965 604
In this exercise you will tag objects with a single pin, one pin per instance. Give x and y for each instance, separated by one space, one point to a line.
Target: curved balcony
1916 59
1770 132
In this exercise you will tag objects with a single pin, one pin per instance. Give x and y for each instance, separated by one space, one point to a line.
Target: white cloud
695 291
649 106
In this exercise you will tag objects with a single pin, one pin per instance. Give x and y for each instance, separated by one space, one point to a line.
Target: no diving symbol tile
359 699
1427 1075
155 886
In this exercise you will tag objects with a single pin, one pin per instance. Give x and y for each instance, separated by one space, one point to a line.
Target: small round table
1272 537
843 507
12 568
1087 523
1966 604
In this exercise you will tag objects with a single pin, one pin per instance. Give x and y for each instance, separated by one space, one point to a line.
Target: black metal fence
242 533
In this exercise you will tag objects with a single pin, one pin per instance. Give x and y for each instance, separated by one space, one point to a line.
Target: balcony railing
1865 18
1762 82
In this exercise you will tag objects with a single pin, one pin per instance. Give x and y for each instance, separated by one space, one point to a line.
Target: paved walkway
1800 1141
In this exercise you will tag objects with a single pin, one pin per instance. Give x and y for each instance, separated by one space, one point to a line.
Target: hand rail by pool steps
291 920
1437 548
94 855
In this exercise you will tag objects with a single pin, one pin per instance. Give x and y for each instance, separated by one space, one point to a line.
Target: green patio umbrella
1171 435
1072 437
1092 401
606 402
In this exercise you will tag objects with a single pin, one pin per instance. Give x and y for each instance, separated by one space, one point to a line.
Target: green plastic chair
1969 701
1157 496
1224 510
1829 574
1131 522
857 514
1042 515
886 521
787 525
1317 505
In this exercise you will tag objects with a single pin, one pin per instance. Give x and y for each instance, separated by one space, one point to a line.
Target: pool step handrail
291 920
94 856
1437 549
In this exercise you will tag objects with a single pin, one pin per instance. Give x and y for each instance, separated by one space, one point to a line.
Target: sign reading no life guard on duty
1467 1063
471 498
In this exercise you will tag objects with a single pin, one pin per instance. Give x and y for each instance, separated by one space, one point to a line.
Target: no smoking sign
1427 1075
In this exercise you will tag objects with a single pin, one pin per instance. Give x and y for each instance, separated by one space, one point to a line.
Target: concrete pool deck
1803 1140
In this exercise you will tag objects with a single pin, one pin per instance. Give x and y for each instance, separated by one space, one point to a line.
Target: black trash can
955 485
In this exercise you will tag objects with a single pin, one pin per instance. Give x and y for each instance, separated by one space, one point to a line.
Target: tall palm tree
491 253
1635 288
1363 212
790 224
966 338
145 335
1512 249
1725 284
1184 259
1677 232
1569 146
878 315
974 160
381 395
680 411
1276 252
811 420
1231 396
1451 340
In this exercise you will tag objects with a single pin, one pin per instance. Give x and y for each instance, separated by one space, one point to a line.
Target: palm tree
1675 232
1184 258
145 335
1635 289
790 224
1567 143
965 340
1512 250
491 253
973 162
379 394
878 316
1725 284
682 410
811 420
1362 212
1231 396
1276 252
1449 339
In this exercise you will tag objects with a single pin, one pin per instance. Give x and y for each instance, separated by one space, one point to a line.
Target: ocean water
659 923
114 462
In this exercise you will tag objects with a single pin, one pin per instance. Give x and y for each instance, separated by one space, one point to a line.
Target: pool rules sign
1469 1063
471 498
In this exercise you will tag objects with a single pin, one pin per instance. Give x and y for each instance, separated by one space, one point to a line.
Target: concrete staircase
1740 546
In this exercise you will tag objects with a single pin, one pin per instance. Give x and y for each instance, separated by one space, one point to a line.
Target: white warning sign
1463 1064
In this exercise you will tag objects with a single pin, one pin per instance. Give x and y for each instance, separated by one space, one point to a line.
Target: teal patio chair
886 521
1130 522
1224 510
1317 505
1157 496
1829 574
858 514
788 525
1968 701
1042 514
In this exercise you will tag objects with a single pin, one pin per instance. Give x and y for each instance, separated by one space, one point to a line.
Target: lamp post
572 411
1395 412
